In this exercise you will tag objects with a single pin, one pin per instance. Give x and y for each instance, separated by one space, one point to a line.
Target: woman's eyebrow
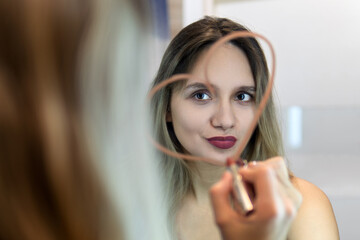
197 85
247 88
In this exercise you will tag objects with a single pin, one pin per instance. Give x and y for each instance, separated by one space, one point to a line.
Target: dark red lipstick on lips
222 142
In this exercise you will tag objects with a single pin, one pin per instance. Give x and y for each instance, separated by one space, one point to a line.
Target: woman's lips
222 142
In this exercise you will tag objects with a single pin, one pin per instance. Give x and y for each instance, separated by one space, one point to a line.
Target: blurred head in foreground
53 67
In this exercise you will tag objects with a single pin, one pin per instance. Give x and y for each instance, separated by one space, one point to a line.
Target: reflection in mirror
190 118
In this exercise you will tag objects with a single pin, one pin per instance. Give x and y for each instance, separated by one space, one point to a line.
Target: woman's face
213 125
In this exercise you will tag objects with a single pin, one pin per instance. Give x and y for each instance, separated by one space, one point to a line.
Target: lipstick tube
239 189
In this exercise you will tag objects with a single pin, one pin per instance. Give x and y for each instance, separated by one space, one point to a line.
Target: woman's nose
223 116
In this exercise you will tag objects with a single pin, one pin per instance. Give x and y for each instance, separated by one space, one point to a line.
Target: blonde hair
180 57
117 118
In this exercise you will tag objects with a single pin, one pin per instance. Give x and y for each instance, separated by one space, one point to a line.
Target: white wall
317 44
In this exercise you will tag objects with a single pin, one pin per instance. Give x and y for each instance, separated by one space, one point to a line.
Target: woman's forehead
228 65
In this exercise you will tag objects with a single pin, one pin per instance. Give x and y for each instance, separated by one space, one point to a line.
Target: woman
192 119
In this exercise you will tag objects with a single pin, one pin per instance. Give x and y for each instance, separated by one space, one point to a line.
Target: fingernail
240 162
252 164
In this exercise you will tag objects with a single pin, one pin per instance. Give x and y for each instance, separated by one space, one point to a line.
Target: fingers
273 188
263 179
220 197
275 204
279 167
286 186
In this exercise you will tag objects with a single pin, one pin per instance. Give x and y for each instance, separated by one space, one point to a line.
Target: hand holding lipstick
241 195
275 204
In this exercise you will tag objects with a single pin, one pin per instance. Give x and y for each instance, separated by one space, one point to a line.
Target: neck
205 175
195 219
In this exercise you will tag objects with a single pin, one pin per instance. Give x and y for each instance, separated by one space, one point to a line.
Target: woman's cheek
245 117
190 119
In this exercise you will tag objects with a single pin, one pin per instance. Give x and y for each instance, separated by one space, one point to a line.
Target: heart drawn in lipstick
185 76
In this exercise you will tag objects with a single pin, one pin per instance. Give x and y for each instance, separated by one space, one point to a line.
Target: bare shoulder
315 218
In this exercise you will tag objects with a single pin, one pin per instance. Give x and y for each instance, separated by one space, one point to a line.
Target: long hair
117 118
180 57
48 186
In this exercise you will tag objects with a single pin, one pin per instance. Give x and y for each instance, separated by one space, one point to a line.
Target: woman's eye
201 96
244 97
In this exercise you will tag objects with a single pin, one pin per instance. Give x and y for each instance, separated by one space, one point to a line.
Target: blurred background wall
317 84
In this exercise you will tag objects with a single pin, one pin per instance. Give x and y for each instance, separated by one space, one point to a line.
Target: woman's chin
216 162
214 157
219 159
